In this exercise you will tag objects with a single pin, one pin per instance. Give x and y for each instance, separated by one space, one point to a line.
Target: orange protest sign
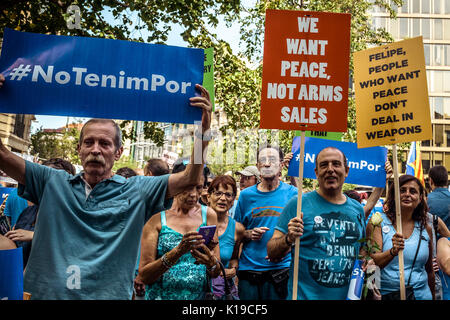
305 71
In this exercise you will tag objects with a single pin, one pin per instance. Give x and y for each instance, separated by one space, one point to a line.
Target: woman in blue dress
416 233
221 195
171 263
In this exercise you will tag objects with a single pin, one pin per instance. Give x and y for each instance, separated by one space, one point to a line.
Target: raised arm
12 165
189 177
376 193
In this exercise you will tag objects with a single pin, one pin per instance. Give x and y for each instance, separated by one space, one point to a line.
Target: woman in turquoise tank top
171 264
221 195
416 237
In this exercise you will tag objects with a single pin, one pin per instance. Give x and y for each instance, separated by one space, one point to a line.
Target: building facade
178 139
15 131
431 20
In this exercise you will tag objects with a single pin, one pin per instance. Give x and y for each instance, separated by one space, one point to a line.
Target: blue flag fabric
366 164
99 78
11 274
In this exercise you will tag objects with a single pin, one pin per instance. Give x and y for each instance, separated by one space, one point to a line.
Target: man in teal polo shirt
86 239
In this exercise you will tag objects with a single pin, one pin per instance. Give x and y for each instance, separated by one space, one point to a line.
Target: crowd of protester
128 235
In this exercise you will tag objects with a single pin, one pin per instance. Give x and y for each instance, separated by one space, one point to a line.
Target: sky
231 35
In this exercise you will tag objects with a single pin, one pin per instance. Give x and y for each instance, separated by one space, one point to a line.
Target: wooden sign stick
398 217
299 210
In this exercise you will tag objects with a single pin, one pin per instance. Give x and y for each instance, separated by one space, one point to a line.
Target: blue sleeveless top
185 280
390 278
445 283
226 242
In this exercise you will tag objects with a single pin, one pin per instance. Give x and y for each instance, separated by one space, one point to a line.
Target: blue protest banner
99 78
366 164
11 274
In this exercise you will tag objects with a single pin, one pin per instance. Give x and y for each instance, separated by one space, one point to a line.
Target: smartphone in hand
207 233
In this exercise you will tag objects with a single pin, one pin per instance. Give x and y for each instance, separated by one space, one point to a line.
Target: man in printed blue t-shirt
258 209
86 239
329 230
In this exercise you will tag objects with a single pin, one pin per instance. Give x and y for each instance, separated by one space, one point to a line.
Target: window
426 28
405 6
447 135
447 160
437 6
437 29
19 125
438 135
446 81
426 49
425 143
438 108
425 161
447 6
437 57
415 27
438 159
394 28
403 28
446 29
416 6
446 54
447 108
426 6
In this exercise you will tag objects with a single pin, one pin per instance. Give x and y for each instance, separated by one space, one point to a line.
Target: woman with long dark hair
415 241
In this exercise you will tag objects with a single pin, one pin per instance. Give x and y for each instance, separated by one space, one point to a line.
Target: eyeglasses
228 195
271 160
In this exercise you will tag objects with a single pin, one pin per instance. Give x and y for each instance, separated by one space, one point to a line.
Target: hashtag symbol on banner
297 158
20 72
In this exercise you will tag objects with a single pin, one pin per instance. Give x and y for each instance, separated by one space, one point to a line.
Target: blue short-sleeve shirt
262 209
86 247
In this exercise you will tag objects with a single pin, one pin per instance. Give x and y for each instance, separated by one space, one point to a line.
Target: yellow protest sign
391 94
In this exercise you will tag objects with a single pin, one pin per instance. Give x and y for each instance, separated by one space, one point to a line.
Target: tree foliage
237 75
56 145
148 21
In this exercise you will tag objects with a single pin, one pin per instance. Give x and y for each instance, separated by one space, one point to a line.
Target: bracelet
166 262
287 242
394 255
213 267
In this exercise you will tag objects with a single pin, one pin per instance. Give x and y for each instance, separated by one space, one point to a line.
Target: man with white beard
258 209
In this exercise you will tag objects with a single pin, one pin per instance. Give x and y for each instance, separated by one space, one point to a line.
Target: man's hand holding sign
107 208
305 87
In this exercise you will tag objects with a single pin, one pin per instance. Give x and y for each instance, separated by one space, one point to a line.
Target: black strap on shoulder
415 256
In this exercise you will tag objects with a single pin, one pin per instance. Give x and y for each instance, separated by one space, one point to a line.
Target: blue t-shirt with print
328 247
262 209
86 247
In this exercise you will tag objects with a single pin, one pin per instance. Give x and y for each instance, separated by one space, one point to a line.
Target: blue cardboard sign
366 164
11 274
99 78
